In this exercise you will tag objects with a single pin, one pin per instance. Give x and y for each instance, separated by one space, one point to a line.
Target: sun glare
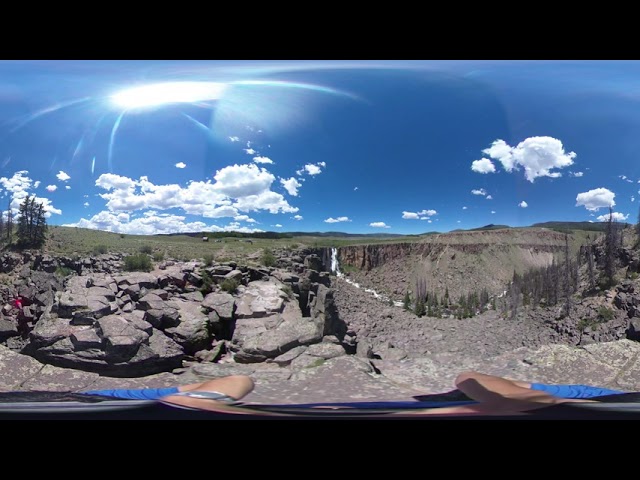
164 93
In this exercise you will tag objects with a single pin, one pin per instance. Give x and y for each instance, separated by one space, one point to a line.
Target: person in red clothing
18 303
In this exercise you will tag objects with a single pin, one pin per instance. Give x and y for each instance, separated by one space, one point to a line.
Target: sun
157 94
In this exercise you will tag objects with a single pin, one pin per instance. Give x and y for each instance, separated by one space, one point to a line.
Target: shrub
288 290
122 235
605 313
146 249
207 282
158 256
268 259
100 249
208 259
230 285
138 263
63 271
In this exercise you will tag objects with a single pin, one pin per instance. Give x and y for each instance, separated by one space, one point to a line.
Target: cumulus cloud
479 191
67 187
86 204
17 187
483 165
36 184
523 204
464 208
633 199
277 225
616 217
297 217
379 225
262 160
596 199
52 188
242 188
242 180
576 174
250 151
421 215
291 186
244 218
63 177
312 169
493 211
489 197
181 165
336 220
538 156
625 178
234 139
356 188
151 224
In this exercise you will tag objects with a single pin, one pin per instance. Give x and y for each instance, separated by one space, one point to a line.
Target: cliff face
461 262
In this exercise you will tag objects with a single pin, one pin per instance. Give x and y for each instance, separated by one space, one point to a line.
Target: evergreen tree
406 302
32 224
9 227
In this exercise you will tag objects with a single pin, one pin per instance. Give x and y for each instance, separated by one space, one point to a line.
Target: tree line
30 226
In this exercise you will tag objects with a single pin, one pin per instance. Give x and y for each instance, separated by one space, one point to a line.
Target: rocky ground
302 335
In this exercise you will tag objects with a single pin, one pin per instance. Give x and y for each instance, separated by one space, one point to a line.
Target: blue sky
359 147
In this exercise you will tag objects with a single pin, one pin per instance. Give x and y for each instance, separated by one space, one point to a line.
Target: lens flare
157 94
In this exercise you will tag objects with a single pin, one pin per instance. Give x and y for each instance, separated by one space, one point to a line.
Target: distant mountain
491 226
593 227
350 235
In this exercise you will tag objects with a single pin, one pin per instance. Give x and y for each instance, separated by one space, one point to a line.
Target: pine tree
406 302
609 255
9 228
32 224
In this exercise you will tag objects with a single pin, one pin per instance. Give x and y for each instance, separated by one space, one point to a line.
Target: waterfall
335 268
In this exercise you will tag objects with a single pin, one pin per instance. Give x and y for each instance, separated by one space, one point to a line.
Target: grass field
71 241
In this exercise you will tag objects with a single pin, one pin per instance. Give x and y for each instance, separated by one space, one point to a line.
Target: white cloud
464 208
151 224
300 172
248 143
422 215
291 186
633 199
480 191
523 204
312 169
234 139
493 211
616 217
67 187
277 225
86 204
483 165
596 199
52 188
36 184
428 213
625 178
336 220
297 217
379 225
322 164
63 177
355 189
181 165
489 197
248 185
244 218
250 151
537 155
576 174
242 180
262 160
